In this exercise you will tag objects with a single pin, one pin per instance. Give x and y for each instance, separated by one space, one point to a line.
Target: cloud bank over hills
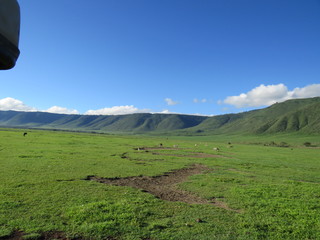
263 95
270 94
14 104
117 110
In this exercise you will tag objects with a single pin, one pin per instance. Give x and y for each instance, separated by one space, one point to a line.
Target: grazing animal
160 145
216 149
175 146
24 134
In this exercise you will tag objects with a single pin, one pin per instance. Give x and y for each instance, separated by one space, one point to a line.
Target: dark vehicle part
9 33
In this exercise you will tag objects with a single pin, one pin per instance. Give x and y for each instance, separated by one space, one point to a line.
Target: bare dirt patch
165 186
14 236
17 235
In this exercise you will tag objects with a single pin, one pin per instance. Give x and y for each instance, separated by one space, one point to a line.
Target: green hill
289 116
298 115
137 123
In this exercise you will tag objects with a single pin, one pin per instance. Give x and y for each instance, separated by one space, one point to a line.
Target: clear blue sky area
185 56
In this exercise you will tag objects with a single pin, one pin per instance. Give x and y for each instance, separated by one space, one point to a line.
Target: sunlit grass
272 192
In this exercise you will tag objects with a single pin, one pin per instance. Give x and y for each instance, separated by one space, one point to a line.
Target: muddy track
165 186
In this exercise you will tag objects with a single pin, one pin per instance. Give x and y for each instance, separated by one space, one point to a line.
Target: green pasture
271 185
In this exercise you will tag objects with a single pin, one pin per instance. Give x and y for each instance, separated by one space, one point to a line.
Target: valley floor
63 185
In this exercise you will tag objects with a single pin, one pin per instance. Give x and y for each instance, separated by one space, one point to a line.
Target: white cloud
61 110
270 94
201 114
306 92
170 102
117 110
14 104
165 111
17 105
196 100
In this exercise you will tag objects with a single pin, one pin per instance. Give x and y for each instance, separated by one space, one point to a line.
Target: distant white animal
216 149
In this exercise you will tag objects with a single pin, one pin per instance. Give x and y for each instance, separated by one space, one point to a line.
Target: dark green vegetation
299 115
263 187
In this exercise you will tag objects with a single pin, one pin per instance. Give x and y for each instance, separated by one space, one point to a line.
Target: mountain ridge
296 115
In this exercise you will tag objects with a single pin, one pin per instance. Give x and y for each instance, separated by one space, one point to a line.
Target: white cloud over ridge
165 111
61 110
265 95
15 105
117 110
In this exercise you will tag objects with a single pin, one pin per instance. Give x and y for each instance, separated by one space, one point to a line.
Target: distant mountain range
298 115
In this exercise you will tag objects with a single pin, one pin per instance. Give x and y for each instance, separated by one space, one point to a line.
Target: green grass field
265 191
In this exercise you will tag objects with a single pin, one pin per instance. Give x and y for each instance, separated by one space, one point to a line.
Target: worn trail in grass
165 186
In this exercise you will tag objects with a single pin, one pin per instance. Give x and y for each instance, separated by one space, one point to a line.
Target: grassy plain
271 192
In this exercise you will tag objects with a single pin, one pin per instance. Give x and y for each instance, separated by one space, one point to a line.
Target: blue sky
204 57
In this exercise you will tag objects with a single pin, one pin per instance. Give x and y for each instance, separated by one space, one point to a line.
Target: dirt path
165 186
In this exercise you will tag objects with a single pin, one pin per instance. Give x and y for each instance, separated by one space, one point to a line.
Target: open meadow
68 185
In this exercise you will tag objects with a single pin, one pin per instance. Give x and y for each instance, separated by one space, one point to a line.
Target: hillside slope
290 116
140 122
